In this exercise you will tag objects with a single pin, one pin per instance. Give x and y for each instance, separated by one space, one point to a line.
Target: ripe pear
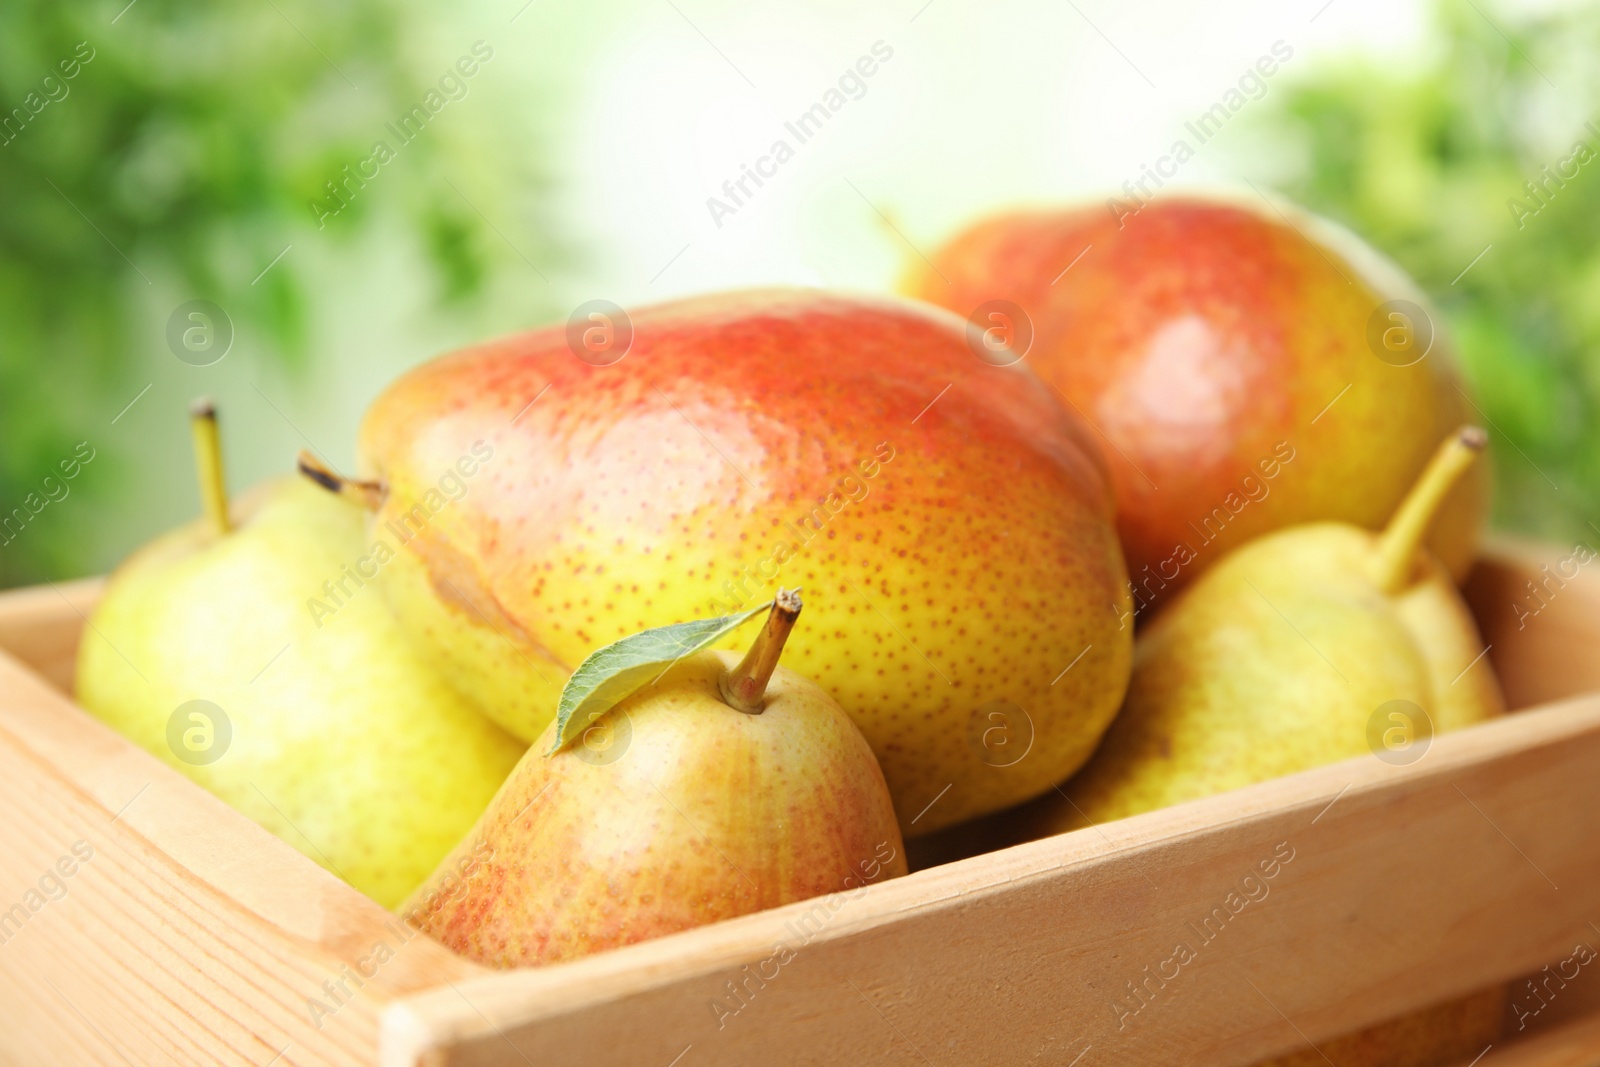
1254 367
325 730
725 787
950 516
1288 654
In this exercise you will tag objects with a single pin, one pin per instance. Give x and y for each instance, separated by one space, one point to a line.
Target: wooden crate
192 936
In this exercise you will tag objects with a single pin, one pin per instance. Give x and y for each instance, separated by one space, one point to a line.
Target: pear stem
1400 540
208 464
366 493
745 686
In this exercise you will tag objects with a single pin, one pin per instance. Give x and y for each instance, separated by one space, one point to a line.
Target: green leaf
609 675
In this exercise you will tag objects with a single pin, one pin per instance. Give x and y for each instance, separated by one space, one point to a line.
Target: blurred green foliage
182 151
1427 157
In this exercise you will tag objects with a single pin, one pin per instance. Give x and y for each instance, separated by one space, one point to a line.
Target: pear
543 500
323 729
1303 647
725 787
1236 355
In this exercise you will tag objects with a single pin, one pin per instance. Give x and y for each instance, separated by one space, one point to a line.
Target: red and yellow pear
723 787
1249 367
949 518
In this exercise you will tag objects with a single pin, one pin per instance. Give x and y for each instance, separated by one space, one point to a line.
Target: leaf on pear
609 675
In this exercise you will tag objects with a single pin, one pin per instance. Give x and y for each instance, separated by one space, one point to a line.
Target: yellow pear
1307 646
323 728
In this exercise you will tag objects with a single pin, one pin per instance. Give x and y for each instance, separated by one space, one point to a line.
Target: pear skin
1277 658
342 743
674 811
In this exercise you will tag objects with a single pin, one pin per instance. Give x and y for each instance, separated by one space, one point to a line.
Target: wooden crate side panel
188 934
1415 885
40 626
1538 609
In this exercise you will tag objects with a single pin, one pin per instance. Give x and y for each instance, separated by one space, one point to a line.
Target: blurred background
195 201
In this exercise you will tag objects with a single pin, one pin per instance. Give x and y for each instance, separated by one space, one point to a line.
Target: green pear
1309 645
323 728
722 787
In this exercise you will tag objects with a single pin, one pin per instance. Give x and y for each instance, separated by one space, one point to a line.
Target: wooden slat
192 935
